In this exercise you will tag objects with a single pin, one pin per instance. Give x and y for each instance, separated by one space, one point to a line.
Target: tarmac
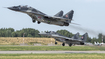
49 52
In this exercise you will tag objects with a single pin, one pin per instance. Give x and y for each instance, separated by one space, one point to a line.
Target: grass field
52 56
27 40
52 48
44 41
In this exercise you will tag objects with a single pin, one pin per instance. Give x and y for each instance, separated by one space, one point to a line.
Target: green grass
52 48
52 56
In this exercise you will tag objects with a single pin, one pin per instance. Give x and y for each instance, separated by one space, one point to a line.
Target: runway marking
27 52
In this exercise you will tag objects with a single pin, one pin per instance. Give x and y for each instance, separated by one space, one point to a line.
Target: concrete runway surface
59 52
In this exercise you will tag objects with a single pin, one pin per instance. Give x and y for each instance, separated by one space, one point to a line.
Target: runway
40 52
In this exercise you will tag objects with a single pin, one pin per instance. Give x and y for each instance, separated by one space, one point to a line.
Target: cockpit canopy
23 6
52 32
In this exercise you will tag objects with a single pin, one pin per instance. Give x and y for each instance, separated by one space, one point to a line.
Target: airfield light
102 38
23 38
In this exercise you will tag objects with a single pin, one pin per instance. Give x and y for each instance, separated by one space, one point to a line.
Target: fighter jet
98 44
36 15
74 40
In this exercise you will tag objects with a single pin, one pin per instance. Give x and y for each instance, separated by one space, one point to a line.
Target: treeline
27 32
30 32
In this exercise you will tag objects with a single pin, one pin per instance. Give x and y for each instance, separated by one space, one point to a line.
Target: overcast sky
90 14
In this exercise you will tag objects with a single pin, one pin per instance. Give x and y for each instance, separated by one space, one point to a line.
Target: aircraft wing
35 13
57 19
32 16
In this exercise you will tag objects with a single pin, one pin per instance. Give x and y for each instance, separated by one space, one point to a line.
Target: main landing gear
70 44
55 42
33 21
38 22
63 44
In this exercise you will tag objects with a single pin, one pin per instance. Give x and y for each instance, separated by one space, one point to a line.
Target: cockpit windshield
49 32
15 7
52 32
22 6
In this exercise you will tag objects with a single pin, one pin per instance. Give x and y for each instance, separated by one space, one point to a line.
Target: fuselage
61 38
67 41
36 15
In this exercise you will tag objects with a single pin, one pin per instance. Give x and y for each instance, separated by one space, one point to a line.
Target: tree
30 32
29 35
36 33
65 33
8 33
11 29
93 40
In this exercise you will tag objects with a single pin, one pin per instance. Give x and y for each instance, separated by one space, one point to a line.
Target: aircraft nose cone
41 34
11 8
44 34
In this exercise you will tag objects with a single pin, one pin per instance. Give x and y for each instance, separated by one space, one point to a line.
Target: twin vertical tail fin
84 37
69 15
76 36
59 14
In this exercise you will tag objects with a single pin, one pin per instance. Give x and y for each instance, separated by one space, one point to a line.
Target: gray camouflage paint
37 15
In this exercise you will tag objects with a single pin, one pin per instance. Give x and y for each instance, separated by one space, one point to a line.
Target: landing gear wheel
70 44
66 24
55 42
63 44
33 21
38 22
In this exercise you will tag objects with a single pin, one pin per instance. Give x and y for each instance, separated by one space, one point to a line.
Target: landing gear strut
70 44
63 44
66 24
33 21
55 42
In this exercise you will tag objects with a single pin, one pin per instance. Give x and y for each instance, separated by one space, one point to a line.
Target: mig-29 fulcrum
36 15
70 41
